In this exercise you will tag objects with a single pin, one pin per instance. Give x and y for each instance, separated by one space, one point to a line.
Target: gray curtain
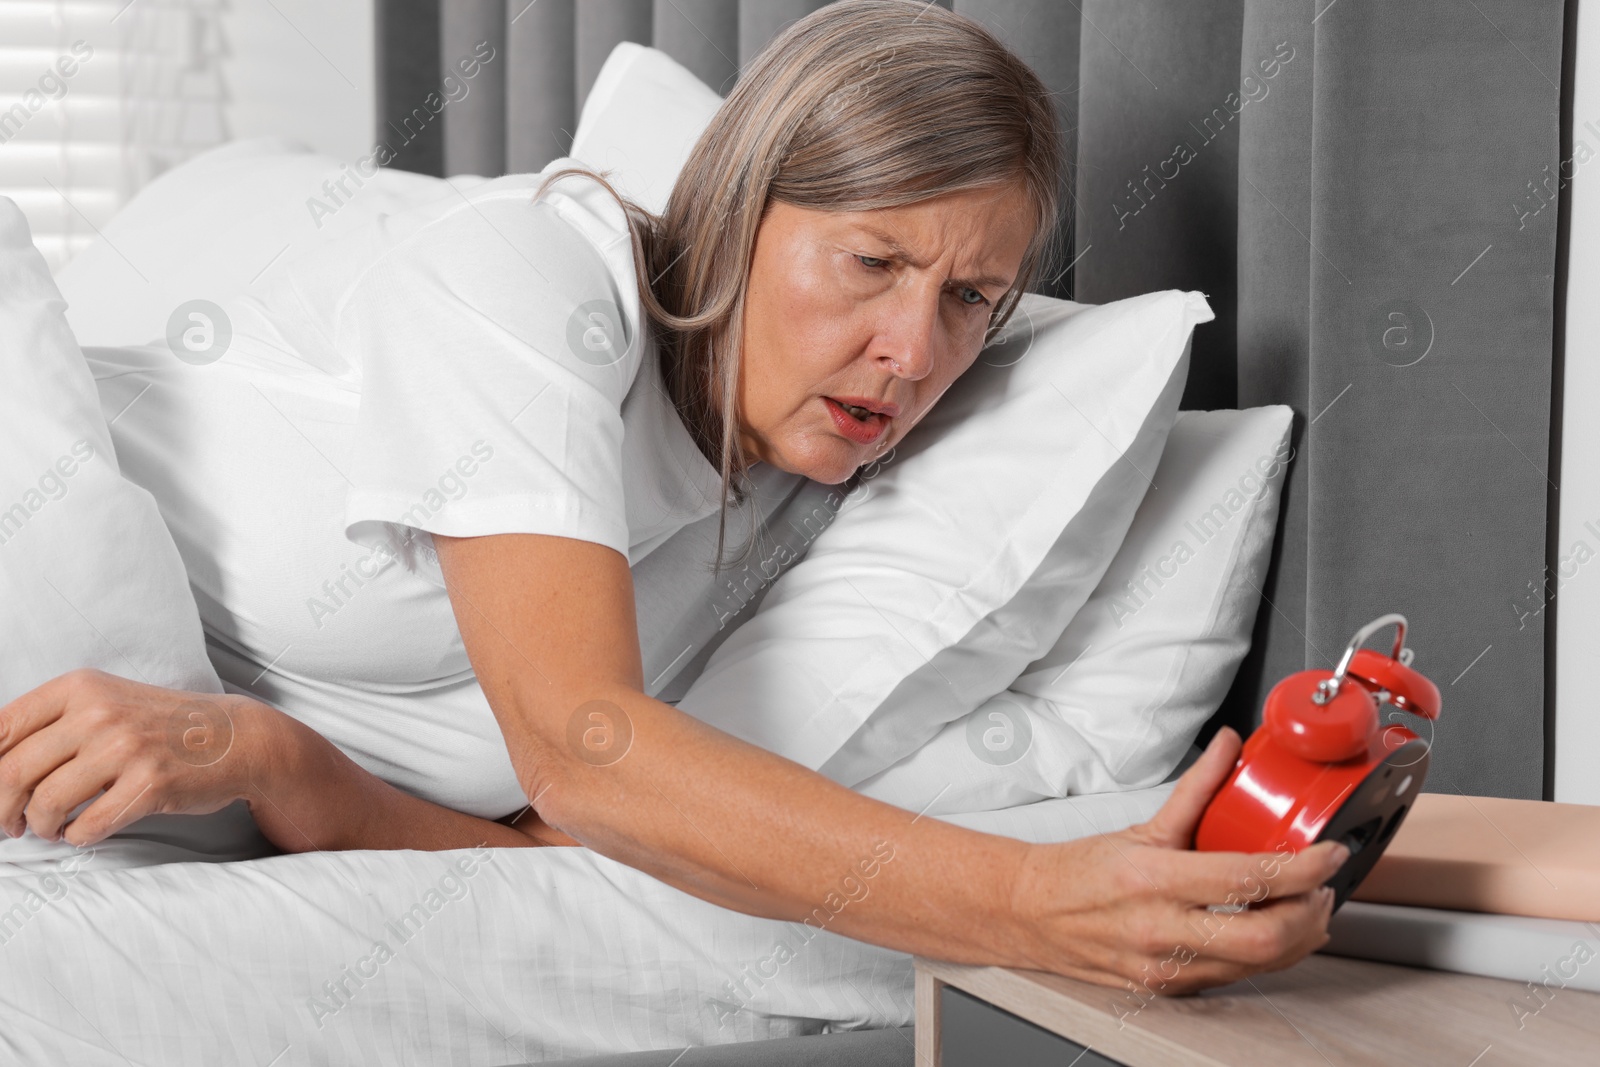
1351 183
1388 290
407 70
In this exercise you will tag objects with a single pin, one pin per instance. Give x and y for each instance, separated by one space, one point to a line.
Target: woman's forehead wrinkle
888 235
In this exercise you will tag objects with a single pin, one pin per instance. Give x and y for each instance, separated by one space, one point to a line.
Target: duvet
136 952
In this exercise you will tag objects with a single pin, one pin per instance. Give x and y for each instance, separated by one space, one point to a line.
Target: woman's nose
906 339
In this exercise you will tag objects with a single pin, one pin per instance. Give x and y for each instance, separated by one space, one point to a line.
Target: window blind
97 97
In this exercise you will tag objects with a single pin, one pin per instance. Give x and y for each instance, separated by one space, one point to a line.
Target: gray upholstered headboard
1357 186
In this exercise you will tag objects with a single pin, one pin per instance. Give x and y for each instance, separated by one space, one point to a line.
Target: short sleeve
495 351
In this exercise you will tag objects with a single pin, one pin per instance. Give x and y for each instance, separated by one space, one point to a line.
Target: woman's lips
861 431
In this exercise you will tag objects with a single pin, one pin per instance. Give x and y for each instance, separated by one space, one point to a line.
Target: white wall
1577 600
302 68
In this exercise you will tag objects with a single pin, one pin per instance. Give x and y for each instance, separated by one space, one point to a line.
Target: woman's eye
873 262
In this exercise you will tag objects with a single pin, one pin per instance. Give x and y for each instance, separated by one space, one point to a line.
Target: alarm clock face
1370 815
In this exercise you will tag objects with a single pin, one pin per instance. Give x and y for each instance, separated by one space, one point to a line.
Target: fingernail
1337 856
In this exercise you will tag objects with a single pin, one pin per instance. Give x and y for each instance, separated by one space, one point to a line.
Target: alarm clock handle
1330 687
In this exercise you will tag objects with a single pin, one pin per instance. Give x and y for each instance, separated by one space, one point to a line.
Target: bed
1287 217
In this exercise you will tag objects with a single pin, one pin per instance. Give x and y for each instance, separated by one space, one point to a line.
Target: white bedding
519 955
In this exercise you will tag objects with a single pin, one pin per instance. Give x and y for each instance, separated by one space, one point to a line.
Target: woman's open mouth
855 422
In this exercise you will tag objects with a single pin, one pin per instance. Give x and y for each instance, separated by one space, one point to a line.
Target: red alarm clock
1322 766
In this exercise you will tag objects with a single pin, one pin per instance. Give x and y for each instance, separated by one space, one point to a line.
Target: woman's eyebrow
901 251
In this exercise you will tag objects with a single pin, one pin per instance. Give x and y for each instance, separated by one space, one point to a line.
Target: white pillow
1120 697
214 225
990 656
641 120
89 576
889 627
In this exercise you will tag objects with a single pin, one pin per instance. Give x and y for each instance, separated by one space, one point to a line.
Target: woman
512 394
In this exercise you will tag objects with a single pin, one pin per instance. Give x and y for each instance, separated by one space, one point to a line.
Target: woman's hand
152 750
1133 907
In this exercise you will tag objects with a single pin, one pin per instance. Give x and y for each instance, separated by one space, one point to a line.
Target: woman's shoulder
574 226
575 200
476 260
574 237
487 256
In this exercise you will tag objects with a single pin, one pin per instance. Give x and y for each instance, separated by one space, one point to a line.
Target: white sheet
535 955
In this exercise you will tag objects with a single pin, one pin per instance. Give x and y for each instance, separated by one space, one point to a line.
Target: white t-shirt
475 364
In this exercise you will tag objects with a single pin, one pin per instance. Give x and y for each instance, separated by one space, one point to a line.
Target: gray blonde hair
860 105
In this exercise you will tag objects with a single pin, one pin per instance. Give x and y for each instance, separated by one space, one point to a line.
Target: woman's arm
309 796
697 808
549 625
158 750
151 749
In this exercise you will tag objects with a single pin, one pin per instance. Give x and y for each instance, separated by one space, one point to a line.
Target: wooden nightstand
1327 1011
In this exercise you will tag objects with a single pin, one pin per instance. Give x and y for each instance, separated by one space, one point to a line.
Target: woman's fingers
1174 825
24 768
1191 948
1180 972
1233 878
1269 937
36 709
125 801
69 786
1172 949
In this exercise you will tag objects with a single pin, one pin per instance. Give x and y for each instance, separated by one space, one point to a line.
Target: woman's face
881 310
